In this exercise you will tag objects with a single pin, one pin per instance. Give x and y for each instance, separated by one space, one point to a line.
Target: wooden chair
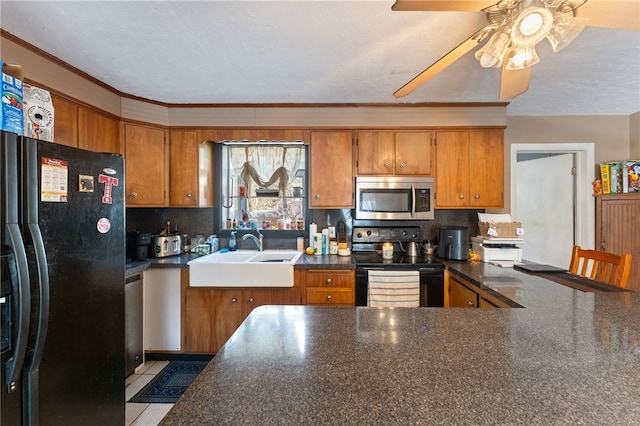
600 265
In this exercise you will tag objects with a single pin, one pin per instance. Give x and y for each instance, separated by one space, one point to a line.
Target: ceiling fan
515 27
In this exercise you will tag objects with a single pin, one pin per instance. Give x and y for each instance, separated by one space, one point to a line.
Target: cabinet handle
188 195
328 297
234 300
316 197
477 196
387 165
462 196
251 300
133 194
328 281
470 304
402 165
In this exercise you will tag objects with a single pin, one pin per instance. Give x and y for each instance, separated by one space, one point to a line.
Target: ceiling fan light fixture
491 54
565 29
531 26
522 57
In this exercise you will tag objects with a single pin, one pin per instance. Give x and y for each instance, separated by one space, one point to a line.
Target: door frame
585 174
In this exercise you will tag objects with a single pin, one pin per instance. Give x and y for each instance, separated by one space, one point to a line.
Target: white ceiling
314 52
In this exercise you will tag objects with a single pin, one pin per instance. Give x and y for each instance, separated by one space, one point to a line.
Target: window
263 185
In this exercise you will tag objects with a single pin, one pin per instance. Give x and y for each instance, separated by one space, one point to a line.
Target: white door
545 205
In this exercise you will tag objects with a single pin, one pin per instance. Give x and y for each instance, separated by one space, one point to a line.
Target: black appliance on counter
366 250
63 266
453 243
138 245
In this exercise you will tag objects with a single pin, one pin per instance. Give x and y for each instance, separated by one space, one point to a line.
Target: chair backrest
600 265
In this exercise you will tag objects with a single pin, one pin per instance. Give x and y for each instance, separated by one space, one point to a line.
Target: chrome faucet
258 240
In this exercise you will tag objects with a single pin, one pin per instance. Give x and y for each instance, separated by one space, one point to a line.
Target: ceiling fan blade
438 66
513 82
441 5
619 14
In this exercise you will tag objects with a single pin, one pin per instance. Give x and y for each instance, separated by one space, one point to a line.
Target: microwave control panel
423 200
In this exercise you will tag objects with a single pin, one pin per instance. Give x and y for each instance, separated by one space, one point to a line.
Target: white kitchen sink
244 268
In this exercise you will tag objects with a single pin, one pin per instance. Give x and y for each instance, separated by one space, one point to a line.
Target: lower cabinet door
211 318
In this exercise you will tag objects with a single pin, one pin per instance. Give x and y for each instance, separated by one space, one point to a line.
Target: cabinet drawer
330 296
327 278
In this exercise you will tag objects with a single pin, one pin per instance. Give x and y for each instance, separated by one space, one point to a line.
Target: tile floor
140 414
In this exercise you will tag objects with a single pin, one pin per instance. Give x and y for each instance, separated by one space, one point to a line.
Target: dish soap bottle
232 241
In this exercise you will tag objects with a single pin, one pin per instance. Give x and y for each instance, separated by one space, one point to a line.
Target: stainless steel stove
366 248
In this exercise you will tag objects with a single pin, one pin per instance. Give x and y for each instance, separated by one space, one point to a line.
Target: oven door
431 284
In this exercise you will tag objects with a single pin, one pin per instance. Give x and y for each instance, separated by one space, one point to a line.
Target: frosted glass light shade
565 29
491 54
531 26
522 57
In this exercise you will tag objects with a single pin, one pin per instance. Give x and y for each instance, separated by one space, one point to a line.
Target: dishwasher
133 322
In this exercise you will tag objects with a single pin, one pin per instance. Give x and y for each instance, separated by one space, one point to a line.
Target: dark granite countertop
568 357
179 261
305 262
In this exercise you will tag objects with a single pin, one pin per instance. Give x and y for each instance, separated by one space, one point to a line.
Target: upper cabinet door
486 169
452 169
414 153
147 165
331 170
376 153
66 122
390 153
97 132
191 170
183 167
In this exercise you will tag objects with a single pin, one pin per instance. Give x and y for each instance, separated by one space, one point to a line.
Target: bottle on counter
232 241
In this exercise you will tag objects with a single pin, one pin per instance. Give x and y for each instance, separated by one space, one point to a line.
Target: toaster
166 245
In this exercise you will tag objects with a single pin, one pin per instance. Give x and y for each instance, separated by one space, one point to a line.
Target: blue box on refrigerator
11 107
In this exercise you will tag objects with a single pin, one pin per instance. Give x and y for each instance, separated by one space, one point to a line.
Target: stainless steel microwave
394 198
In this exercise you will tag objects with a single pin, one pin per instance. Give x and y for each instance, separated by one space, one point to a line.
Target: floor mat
168 385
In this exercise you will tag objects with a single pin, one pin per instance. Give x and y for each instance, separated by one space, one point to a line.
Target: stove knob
359 234
369 233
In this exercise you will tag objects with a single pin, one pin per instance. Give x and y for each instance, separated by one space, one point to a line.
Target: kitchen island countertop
568 357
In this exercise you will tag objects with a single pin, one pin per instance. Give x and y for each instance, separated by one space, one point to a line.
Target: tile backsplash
195 221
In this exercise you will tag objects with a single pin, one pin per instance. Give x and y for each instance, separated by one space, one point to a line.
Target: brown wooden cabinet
618 228
331 170
213 314
85 128
395 153
65 130
330 287
461 295
147 165
97 132
190 169
470 169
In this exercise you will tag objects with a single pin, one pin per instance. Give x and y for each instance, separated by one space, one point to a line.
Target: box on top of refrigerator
38 113
11 107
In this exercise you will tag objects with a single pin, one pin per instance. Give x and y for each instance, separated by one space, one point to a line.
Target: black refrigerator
63 273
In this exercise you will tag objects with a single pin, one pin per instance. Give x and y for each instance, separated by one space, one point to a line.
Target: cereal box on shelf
632 176
604 177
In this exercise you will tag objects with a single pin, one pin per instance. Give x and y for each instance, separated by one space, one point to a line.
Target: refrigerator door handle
21 288
20 283
31 207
